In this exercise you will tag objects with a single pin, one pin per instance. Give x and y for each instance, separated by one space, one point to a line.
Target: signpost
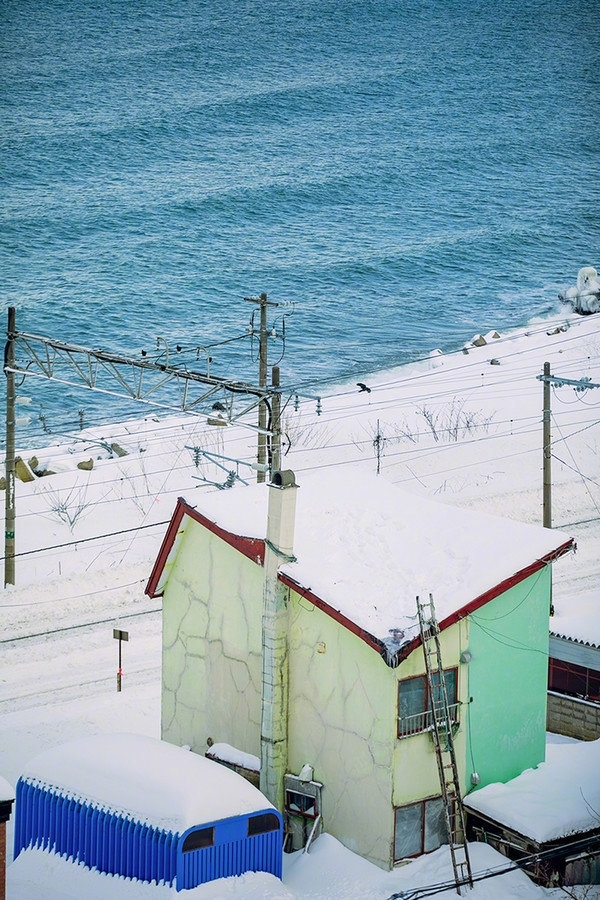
120 636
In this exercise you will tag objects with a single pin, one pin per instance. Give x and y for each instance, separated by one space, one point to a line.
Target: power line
581 844
24 637
97 537
106 590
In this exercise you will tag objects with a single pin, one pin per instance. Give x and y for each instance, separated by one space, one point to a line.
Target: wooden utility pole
9 515
261 456
547 491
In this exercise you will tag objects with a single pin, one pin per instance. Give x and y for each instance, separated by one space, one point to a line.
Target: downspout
274 713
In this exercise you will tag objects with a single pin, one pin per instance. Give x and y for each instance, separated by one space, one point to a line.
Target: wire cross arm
580 384
144 380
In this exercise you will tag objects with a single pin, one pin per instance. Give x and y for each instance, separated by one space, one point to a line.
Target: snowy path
78 660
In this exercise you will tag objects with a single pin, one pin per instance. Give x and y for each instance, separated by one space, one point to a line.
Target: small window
414 702
301 805
198 840
419 828
263 823
574 680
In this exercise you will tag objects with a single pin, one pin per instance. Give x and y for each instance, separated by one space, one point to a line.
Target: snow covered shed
546 818
141 808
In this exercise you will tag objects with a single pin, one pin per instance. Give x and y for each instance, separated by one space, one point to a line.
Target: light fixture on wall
466 656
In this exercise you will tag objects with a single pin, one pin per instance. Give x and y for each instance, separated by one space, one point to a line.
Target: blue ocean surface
396 174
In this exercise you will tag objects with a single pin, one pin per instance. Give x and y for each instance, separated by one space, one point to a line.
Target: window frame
199 839
423 826
566 677
262 823
423 720
308 808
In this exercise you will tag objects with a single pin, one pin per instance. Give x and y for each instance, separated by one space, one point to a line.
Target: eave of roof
254 549
574 640
587 838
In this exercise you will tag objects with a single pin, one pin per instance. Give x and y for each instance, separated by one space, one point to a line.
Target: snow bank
153 781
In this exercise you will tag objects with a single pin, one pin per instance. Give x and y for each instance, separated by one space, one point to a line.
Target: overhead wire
164 426
566 339
105 590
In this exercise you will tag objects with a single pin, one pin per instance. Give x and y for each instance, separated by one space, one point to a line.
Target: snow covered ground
465 428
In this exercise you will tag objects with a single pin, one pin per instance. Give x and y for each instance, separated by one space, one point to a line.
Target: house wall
342 695
414 762
342 722
212 661
508 677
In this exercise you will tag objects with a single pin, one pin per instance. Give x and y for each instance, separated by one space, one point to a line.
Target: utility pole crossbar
442 723
124 376
157 384
580 384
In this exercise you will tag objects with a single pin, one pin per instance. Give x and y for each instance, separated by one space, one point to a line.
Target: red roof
254 549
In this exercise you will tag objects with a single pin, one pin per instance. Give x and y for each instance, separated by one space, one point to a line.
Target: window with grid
577 681
419 828
414 702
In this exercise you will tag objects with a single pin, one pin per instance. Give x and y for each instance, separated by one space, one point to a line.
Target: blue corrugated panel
232 852
120 845
100 839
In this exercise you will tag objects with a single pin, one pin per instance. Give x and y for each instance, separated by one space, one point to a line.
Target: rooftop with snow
131 774
560 797
368 548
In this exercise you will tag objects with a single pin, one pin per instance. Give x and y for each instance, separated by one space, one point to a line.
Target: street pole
276 422
262 383
120 636
261 456
547 491
9 514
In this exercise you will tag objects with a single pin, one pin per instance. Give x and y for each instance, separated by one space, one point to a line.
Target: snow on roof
233 756
156 782
579 621
368 548
560 797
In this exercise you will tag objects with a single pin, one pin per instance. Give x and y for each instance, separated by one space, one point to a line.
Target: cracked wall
343 722
212 662
342 696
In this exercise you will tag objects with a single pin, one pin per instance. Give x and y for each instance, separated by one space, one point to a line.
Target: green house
290 633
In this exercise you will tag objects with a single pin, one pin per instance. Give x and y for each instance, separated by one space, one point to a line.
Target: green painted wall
508 675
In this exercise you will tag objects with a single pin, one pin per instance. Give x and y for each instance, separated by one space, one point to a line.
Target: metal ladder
443 741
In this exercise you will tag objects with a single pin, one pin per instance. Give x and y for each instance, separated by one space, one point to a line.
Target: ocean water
398 175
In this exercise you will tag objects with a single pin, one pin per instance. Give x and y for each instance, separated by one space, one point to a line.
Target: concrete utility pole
580 385
547 492
9 515
263 336
275 422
